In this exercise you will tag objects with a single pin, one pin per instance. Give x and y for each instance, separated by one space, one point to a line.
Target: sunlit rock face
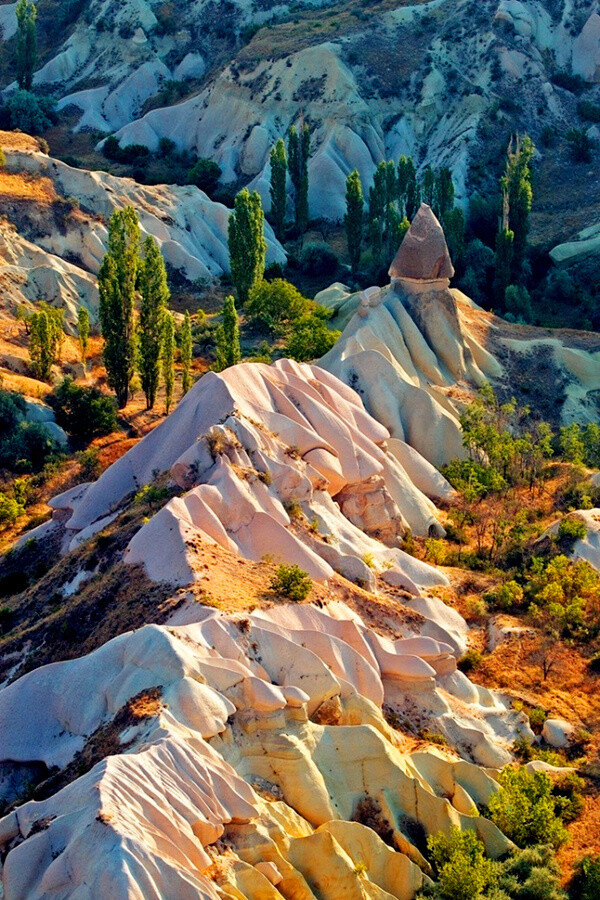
263 735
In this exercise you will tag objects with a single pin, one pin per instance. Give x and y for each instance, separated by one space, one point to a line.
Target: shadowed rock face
423 254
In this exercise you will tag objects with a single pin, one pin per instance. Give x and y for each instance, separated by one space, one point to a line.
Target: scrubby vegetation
291 582
463 872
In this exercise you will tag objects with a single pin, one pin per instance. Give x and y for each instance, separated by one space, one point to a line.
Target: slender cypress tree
26 13
354 218
168 357
247 245
228 337
41 349
378 193
278 187
186 352
406 184
428 186
155 297
83 331
516 185
117 289
504 255
298 155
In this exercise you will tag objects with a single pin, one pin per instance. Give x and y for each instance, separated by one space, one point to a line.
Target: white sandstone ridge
30 274
190 229
403 347
268 734
406 347
259 452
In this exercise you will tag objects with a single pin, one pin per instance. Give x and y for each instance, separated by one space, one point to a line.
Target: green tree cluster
526 809
247 244
298 152
280 308
128 277
462 871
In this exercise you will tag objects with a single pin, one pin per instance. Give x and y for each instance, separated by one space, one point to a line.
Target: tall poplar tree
41 345
117 289
354 218
26 13
83 331
504 255
228 337
186 352
279 168
298 155
168 356
155 297
516 185
247 245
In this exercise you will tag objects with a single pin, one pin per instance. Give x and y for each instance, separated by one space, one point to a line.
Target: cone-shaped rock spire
423 254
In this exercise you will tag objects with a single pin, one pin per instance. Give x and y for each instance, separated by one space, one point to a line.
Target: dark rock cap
423 254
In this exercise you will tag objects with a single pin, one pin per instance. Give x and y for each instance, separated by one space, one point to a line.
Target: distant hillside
445 83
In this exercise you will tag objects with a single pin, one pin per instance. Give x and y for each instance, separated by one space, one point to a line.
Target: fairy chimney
422 263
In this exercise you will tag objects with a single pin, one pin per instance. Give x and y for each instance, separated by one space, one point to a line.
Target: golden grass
17 140
16 186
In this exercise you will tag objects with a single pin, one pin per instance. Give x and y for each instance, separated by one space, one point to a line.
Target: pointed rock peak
423 254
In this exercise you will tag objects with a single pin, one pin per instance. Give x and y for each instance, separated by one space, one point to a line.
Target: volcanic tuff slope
435 80
220 756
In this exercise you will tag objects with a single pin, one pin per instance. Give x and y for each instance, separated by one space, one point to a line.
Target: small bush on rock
291 582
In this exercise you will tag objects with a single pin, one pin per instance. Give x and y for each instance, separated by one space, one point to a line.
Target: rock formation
361 112
217 742
408 347
60 263
258 452
423 262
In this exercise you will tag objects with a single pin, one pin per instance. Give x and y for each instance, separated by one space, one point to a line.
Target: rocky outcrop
215 736
423 255
260 453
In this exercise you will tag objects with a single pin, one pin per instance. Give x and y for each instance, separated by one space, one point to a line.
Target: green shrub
291 582
588 110
27 449
319 259
278 306
310 339
571 529
10 510
586 883
84 412
151 494
205 174
569 82
505 597
460 865
526 810
28 112
436 551
470 661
